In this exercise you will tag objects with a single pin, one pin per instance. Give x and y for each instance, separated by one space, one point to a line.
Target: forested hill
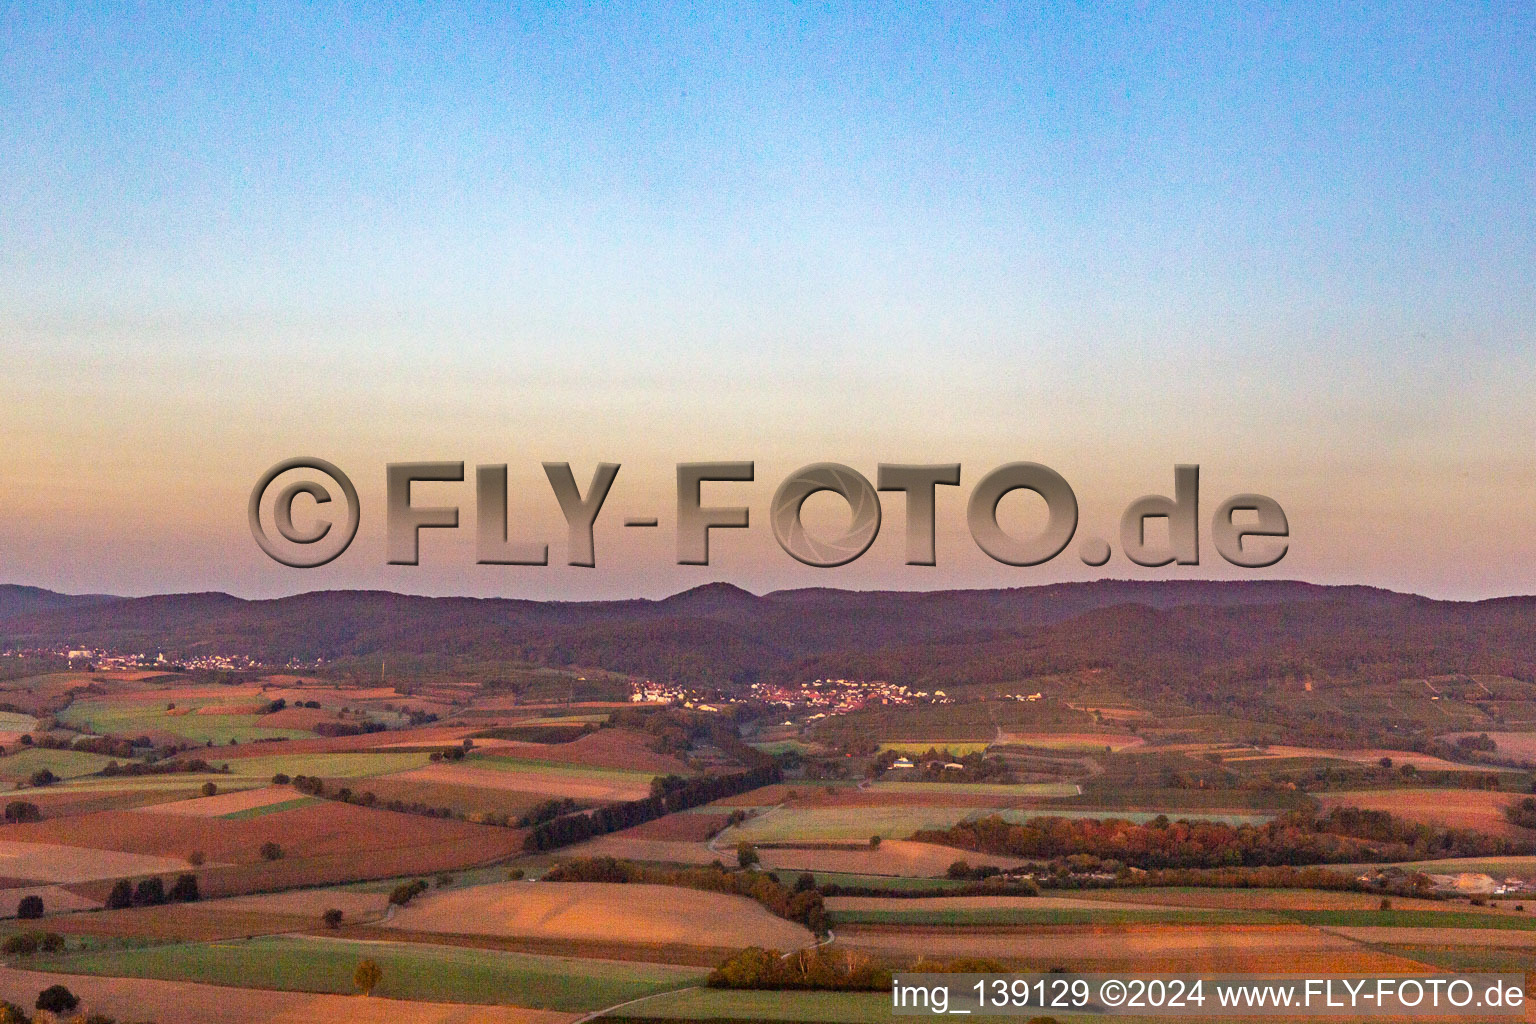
1164 632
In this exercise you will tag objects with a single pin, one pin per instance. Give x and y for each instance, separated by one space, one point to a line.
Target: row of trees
151 892
670 793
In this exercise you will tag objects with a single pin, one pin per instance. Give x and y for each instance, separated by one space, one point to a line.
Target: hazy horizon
1293 246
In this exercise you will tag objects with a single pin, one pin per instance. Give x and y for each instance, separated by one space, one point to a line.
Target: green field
714 1004
993 916
958 749
1411 919
13 721
894 883
411 971
724 1004
182 782
1038 790
329 766
831 824
66 764
555 768
261 812
139 717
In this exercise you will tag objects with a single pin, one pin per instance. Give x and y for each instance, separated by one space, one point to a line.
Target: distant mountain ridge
1171 630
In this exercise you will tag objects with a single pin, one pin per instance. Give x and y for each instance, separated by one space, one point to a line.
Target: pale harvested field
1506 938
225 803
1263 899
894 857
1280 948
596 786
55 899
647 914
178 1002
49 862
1455 808
1399 757
1511 744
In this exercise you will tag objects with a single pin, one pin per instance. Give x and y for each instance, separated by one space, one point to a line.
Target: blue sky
1294 241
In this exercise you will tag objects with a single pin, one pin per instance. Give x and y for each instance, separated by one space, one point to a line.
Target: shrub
1386 903
27 943
30 908
874 842
746 855
20 811
43 777
280 779
367 976
210 789
20 944
407 891
515 875
57 999
271 851
332 918
197 858
185 889
121 895
444 879
959 869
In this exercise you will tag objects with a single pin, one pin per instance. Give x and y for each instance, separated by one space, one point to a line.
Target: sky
1290 243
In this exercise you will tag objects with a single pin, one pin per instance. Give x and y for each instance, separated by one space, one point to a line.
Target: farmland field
1455 808
707 1004
642 914
795 824
328 766
411 971
1075 742
55 862
542 778
66 764
139 717
1034 789
897 857
173 1002
949 746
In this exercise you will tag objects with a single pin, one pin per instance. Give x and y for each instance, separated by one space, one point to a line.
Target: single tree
271 851
30 908
149 893
121 895
874 842
57 999
21 811
185 889
746 855
332 918
367 976
210 789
